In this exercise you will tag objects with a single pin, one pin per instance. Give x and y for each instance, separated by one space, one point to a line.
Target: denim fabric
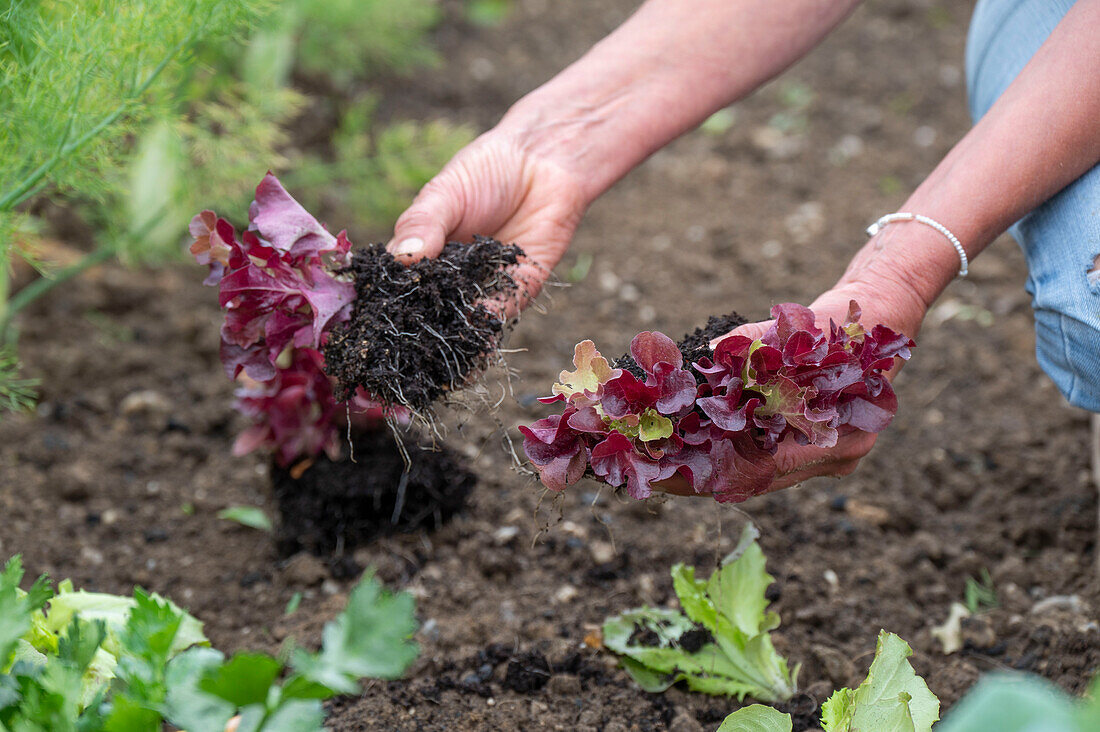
1061 238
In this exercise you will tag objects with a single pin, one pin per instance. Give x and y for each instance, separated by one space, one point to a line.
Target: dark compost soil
334 506
695 345
117 478
420 331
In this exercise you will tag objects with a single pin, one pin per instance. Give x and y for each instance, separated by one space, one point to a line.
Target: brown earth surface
117 478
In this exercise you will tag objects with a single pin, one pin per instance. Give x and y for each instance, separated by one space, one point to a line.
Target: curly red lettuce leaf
717 422
294 414
557 451
277 286
275 282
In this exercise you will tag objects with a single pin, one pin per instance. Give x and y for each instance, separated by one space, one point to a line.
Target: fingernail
408 247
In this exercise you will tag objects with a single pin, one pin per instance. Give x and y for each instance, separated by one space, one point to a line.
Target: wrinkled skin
497 188
896 306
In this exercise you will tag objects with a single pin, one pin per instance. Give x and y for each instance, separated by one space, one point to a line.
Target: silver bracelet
906 216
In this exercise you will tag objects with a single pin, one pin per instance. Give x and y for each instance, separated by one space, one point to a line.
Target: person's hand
495 187
891 302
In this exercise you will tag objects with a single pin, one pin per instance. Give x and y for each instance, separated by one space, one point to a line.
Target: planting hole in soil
334 506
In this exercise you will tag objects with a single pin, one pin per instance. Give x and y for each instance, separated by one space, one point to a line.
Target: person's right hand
495 187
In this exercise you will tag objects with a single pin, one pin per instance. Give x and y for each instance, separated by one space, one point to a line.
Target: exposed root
422 333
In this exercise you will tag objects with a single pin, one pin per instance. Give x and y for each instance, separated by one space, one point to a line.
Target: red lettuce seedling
275 283
281 299
719 421
295 413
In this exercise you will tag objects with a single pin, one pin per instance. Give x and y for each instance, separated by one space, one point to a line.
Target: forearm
1041 135
660 74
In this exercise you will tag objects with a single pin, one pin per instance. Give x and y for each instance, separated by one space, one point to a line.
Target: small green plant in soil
980 594
250 516
86 661
891 699
719 643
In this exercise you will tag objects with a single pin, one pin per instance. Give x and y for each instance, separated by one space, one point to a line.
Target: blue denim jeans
1061 238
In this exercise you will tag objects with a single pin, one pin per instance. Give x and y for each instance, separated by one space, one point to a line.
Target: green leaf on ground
1011 702
757 718
250 516
719 644
372 637
892 698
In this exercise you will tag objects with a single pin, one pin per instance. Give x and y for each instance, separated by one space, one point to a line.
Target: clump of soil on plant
694 345
341 504
417 332
693 640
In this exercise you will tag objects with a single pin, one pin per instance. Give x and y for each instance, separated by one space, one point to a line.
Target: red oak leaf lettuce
280 297
274 282
294 414
717 422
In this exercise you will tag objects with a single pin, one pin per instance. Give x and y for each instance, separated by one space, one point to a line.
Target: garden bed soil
330 507
117 478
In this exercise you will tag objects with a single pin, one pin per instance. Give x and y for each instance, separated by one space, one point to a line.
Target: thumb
422 230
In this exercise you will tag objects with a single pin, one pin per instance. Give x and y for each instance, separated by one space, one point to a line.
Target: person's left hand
894 305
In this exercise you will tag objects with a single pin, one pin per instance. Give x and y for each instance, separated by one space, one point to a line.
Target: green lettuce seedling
719 644
91 662
892 698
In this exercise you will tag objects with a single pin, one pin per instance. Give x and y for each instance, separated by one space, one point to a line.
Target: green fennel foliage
373 174
139 113
78 78
75 77
374 35
16 393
